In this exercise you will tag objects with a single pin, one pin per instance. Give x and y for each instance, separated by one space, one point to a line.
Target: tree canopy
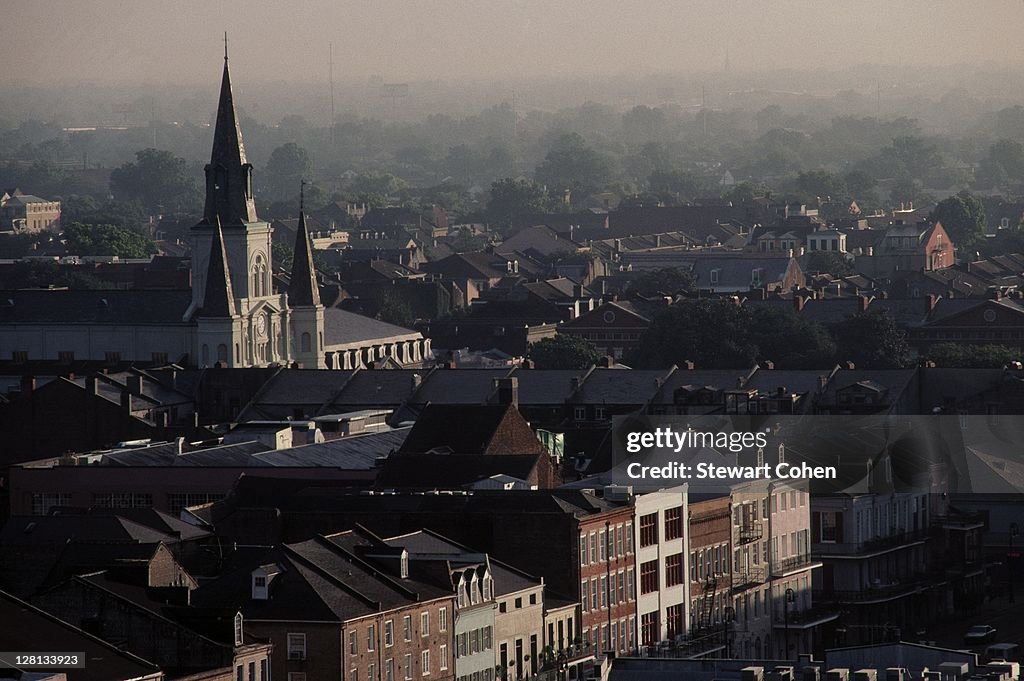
564 351
962 216
872 340
103 239
159 181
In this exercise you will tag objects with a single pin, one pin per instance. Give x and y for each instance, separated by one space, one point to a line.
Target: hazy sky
180 40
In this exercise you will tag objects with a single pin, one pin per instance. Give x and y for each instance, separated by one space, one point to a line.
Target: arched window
222 353
259 276
304 343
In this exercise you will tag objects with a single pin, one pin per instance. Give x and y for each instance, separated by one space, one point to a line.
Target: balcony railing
750 531
871 545
783 565
746 577
878 592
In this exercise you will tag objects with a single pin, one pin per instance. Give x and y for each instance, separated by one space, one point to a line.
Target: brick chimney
768 364
28 384
689 365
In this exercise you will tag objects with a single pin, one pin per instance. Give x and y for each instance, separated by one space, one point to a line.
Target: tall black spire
219 298
229 174
303 291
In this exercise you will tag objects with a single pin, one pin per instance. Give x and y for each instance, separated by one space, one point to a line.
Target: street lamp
728 615
1010 557
790 598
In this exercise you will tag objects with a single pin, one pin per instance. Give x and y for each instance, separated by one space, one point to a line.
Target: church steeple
303 291
229 174
218 298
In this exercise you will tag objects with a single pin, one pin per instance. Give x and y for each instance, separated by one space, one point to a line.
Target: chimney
126 400
689 365
134 384
92 385
850 365
160 418
606 362
372 364
527 364
575 383
862 303
28 384
417 381
740 381
577 291
769 365
179 445
508 391
932 300
995 293
798 302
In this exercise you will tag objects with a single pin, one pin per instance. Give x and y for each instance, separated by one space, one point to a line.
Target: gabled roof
59 529
342 327
63 306
471 429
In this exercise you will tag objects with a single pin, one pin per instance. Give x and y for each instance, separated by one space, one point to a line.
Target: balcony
747 577
870 546
750 530
880 593
805 619
785 566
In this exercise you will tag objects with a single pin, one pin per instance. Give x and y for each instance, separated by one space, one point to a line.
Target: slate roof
473 265
458 386
547 387
59 529
378 388
356 452
61 306
608 386
105 662
345 328
471 429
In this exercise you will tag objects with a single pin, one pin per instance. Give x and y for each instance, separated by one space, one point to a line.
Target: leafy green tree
789 340
674 186
158 180
828 262
375 184
821 184
513 198
91 239
962 216
872 340
42 274
572 164
714 334
288 165
564 351
668 281
972 356
744 192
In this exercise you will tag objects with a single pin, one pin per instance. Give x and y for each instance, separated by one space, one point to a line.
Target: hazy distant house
738 272
830 240
920 246
614 327
20 212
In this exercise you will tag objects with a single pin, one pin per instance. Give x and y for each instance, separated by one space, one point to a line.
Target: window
604 590
648 530
715 274
602 544
406 628
264 670
389 634
407 667
296 646
389 669
649 628
487 641
619 546
159 357
442 653
296 676
533 599
674 523
43 503
579 413
122 500
629 537
519 603
631 583
584 595
371 672
593 593
424 624
66 356
425 663
112 357
371 638
593 547
649 577
674 569
19 356
442 619
353 643
583 550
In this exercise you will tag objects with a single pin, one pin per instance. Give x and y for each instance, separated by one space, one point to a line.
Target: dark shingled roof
303 291
34 626
471 429
60 306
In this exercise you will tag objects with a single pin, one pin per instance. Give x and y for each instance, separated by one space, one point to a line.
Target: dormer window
238 629
404 565
261 578
487 587
715 275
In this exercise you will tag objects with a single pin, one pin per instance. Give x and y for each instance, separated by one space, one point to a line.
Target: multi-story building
709 566
874 550
22 213
607 578
345 606
661 558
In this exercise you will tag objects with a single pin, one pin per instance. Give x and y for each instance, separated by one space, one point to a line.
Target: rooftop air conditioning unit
865 675
752 674
837 675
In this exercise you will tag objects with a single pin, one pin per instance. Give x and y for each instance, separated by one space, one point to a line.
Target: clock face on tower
261 325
